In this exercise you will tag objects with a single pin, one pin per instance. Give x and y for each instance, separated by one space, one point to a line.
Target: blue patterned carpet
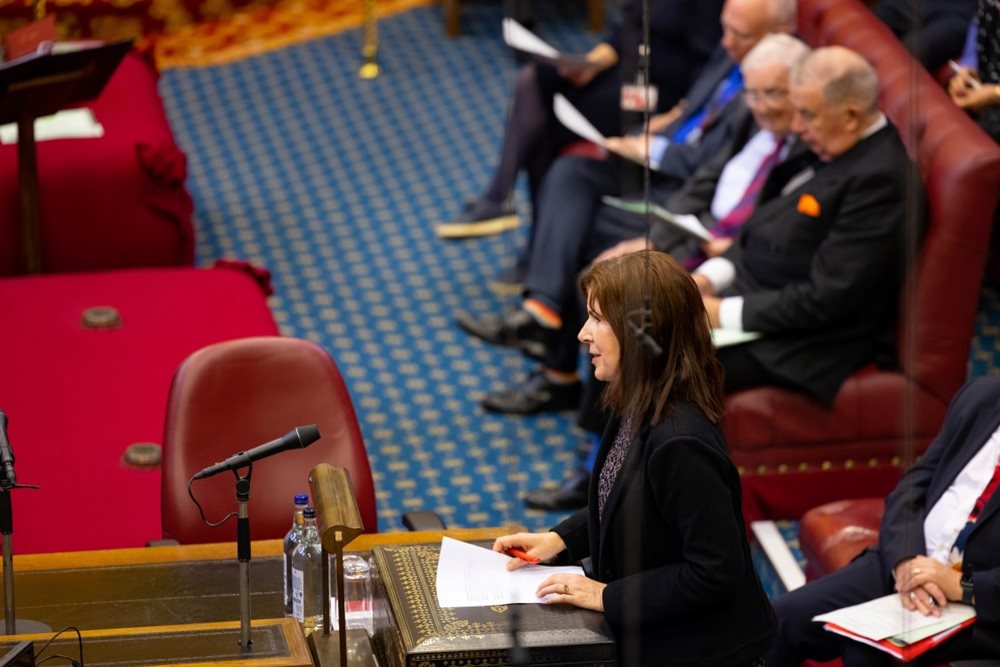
334 184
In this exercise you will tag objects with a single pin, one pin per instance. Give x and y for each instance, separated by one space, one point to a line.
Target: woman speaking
663 526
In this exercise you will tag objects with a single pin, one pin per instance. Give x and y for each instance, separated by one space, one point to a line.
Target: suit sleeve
573 531
855 260
691 483
901 533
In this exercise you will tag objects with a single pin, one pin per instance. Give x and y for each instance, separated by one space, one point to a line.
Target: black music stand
39 85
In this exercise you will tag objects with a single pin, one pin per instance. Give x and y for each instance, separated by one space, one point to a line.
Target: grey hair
775 48
844 74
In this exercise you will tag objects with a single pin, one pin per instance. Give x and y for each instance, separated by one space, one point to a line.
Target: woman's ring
916 571
913 595
565 589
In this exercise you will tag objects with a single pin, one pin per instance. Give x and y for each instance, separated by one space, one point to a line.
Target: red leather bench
76 397
795 453
832 535
114 202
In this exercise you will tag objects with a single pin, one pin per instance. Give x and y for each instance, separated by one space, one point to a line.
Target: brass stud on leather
143 455
803 467
849 464
761 469
872 463
101 317
741 470
826 466
782 469
896 461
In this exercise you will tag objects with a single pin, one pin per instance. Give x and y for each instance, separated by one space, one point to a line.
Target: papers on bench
884 624
728 337
66 124
521 39
686 223
471 576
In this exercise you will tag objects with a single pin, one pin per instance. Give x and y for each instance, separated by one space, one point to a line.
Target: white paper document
728 337
471 576
520 38
577 123
66 124
885 617
685 222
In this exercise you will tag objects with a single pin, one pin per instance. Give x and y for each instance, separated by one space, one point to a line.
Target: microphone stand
243 553
11 624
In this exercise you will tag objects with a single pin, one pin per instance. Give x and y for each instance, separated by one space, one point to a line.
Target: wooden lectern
39 85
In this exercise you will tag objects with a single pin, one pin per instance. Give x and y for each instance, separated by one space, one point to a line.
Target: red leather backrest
235 395
960 166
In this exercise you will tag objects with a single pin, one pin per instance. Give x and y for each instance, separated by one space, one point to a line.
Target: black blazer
972 418
672 548
821 267
681 160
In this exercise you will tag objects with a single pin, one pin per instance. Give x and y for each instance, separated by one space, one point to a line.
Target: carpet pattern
334 184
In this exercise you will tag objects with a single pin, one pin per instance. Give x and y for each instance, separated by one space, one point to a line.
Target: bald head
745 22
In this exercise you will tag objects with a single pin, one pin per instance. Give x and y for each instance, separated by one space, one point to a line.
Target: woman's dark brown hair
652 289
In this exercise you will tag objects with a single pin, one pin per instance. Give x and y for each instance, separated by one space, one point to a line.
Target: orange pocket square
808 206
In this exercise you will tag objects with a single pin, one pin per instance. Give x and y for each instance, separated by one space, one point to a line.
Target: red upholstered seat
108 203
795 453
77 397
832 535
238 394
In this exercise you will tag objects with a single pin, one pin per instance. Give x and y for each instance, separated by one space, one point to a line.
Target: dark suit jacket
681 160
672 549
682 35
972 418
820 268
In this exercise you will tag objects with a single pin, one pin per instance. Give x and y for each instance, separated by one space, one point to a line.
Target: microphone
301 436
7 479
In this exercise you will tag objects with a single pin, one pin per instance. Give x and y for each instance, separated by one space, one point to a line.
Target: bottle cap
309 513
301 499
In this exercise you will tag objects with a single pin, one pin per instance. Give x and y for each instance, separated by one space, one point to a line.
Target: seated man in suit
818 267
567 238
939 543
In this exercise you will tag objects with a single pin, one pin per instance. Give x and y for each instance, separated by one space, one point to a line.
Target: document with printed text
472 576
885 617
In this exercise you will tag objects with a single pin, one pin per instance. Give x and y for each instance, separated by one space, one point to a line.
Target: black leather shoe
518 329
570 495
538 394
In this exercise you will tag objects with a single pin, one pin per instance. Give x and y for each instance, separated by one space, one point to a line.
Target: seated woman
976 87
682 35
663 525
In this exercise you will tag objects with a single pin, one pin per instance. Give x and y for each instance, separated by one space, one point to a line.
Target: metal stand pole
369 48
243 554
7 527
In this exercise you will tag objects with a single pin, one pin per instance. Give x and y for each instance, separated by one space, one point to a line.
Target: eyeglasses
766 95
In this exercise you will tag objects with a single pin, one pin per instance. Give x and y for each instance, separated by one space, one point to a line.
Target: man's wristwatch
968 595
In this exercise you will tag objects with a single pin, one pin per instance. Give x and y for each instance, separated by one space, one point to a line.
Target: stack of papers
66 124
471 576
884 624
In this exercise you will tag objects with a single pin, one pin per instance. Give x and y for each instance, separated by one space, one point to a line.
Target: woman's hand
635 146
926 585
573 589
968 93
601 57
543 546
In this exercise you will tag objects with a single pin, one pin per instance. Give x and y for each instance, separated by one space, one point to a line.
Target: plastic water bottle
291 541
307 575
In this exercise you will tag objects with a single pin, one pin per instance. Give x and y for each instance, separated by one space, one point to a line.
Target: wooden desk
174 586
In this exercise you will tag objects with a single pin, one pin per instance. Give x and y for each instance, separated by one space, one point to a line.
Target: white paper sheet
727 337
65 124
885 617
576 122
471 576
687 223
520 38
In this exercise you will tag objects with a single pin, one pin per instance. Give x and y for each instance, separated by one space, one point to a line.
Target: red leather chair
232 396
832 535
795 453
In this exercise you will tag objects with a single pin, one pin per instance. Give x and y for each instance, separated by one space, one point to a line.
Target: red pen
517 553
